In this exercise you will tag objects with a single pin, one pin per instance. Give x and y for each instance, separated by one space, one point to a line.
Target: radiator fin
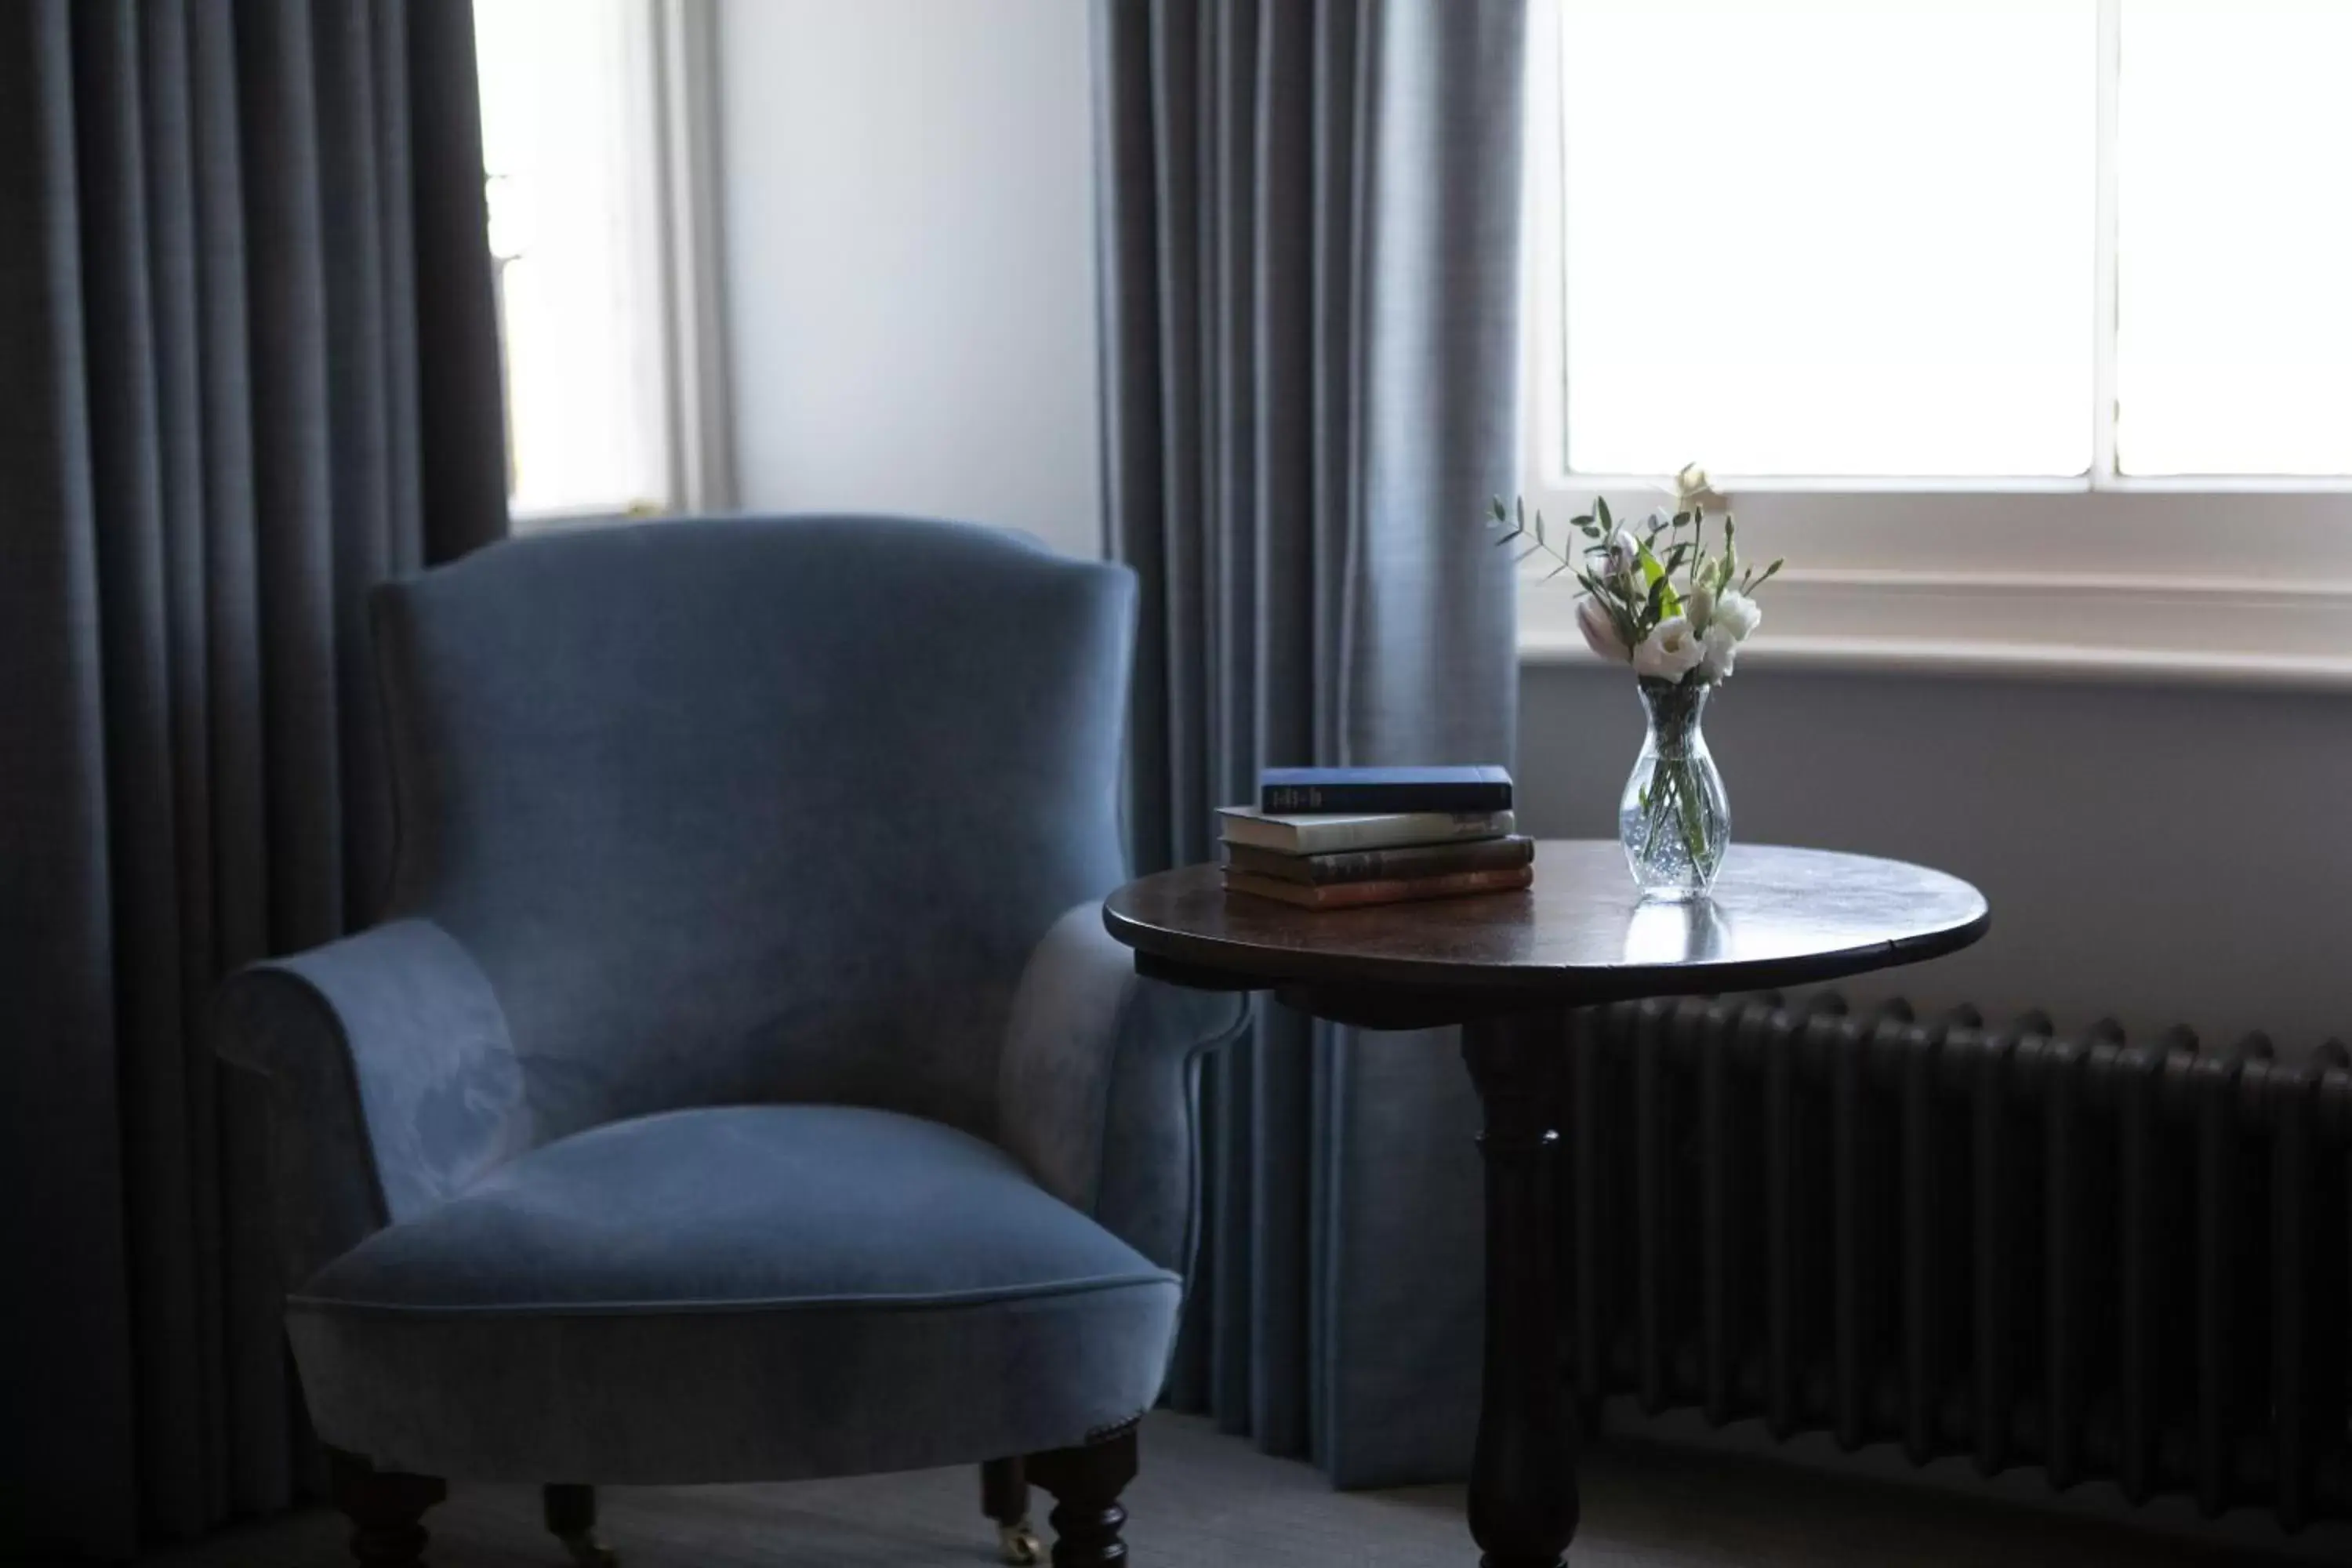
2118 1261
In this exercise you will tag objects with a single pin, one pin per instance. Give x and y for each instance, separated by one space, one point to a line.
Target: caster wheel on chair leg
589 1551
1086 1482
1004 1497
1018 1545
571 1520
386 1508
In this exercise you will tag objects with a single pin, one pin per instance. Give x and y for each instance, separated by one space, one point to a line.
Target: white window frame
2206 580
672 58
686 73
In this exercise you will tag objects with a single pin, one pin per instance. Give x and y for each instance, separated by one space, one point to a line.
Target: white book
1323 833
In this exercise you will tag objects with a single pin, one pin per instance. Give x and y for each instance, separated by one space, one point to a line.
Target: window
1801 259
592 129
2018 325
2234 323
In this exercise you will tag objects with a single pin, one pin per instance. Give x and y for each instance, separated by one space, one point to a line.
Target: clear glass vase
1673 820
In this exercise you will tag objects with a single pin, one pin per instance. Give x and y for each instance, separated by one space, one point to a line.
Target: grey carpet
1206 1500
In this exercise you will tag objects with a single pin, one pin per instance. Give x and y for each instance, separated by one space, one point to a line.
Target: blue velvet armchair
743 1086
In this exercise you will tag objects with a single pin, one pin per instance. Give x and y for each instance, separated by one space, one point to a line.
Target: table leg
1523 1478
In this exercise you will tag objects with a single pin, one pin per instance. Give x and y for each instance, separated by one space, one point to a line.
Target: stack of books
1330 838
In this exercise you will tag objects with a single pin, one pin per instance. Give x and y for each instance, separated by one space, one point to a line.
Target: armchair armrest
392 1081
1096 1085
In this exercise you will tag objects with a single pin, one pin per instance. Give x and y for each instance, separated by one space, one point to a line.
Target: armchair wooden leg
570 1509
386 1508
1004 1497
1085 1483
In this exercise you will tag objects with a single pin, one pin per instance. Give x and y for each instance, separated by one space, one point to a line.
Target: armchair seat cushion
741 1293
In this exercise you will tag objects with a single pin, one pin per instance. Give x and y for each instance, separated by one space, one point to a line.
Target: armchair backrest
756 809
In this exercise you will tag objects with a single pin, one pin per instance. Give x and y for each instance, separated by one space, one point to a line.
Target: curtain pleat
1309 257
181 1233
345 60
216 445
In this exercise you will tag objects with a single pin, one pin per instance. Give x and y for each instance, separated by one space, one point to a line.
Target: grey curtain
1309 230
251 368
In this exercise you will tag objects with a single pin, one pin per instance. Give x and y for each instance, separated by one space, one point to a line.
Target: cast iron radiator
2104 1258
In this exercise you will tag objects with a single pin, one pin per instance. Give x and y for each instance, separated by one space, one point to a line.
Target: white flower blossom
1693 492
1668 652
1739 612
1600 629
1717 650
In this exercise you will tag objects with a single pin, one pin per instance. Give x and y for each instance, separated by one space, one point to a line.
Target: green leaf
1501 513
1600 512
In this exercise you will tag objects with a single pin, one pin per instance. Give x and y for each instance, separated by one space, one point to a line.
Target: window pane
2234 300
566 132
1823 239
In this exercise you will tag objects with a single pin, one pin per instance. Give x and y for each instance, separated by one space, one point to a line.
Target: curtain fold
247 248
1309 262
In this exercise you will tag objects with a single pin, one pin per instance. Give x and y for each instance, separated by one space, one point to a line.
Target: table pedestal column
1523 1479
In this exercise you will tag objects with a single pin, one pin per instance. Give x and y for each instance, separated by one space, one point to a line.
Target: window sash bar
2105 410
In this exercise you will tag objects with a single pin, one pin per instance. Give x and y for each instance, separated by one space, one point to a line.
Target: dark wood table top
1581 934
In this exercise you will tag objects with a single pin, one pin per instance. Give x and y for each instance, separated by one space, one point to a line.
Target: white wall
907 204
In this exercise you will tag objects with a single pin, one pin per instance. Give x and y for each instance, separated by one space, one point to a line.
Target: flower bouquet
1656 597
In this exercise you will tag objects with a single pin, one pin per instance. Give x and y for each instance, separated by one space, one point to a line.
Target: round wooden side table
1508 968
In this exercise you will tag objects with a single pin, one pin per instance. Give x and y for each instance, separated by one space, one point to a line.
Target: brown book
1392 890
1383 865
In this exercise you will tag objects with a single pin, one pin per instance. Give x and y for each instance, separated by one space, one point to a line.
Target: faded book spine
1328 835
1392 890
1433 794
1383 865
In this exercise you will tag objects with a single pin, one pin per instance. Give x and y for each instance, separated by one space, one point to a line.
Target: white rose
1693 490
1739 612
1717 650
1698 606
1668 652
1600 629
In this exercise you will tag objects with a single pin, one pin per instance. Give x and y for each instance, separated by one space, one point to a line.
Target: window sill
2196 585
2184 632
556 518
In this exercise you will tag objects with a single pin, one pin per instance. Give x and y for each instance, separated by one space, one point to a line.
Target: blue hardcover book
1482 788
